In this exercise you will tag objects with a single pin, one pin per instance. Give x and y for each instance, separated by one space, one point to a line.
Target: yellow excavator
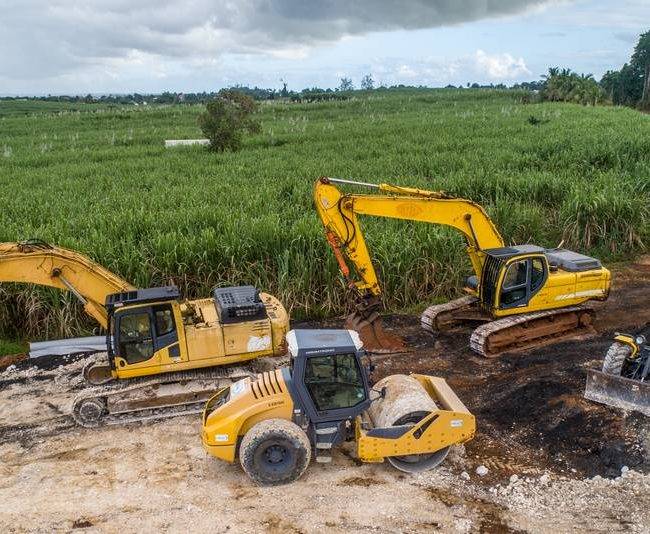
524 295
175 353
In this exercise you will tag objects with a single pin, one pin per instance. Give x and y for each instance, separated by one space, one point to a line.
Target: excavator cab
512 276
535 278
142 333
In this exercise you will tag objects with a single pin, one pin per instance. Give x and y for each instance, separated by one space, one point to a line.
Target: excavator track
439 317
160 397
530 330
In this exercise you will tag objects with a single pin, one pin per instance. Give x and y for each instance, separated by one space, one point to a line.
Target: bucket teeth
372 333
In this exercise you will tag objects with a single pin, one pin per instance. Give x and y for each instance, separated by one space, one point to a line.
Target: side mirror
552 267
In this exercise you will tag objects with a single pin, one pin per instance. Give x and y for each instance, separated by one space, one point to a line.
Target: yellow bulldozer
624 378
165 356
276 422
524 295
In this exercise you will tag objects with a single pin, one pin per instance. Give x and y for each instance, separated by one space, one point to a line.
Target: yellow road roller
275 424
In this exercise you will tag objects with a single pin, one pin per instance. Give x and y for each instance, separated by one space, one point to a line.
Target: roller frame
441 428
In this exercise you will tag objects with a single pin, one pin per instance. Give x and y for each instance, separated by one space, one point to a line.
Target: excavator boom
36 262
338 213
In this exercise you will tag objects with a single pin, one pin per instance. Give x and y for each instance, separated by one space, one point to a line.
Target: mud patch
11 359
82 523
364 482
490 514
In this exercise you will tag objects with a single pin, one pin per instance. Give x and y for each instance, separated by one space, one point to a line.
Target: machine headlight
639 340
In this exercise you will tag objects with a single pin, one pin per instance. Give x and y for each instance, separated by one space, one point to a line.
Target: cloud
44 39
480 67
501 66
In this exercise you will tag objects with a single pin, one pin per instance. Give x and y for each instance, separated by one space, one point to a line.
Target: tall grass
104 185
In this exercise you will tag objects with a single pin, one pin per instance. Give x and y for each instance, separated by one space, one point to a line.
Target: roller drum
405 402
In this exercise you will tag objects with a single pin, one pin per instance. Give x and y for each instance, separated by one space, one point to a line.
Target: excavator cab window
537 274
523 278
164 320
135 337
334 382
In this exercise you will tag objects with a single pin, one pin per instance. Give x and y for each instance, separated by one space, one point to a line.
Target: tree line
629 86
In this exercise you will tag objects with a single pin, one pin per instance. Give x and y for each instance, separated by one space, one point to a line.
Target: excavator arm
36 262
338 213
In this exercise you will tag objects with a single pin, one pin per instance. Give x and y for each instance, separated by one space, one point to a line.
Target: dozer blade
375 338
618 391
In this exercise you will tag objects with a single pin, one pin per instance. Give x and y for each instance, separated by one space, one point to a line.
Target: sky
150 46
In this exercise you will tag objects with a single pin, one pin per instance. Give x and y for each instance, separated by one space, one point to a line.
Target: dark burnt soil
531 415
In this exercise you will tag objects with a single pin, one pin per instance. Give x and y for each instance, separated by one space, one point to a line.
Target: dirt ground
555 461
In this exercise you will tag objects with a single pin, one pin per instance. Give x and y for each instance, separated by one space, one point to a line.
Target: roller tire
274 452
615 358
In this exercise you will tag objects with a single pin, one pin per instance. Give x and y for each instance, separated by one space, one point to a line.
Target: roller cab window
334 382
135 337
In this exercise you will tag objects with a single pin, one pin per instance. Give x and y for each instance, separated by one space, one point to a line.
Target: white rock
464 475
513 479
481 470
624 469
544 478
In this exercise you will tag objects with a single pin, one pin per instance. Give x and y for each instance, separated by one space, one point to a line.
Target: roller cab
277 423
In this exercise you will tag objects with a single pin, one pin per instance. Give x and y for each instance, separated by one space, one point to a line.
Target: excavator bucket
375 338
618 391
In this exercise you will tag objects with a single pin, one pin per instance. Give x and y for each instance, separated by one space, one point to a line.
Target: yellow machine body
211 343
234 410
339 215
204 339
561 288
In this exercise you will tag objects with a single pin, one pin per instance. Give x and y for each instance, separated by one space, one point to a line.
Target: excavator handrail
37 262
338 212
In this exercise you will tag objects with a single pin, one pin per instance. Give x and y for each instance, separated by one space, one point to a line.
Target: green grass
102 183
12 347
21 107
